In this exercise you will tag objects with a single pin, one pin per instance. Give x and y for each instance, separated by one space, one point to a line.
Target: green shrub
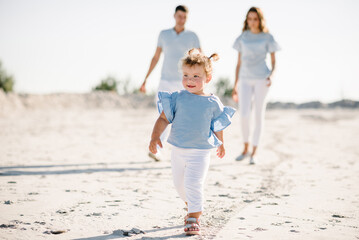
6 82
107 84
112 84
224 87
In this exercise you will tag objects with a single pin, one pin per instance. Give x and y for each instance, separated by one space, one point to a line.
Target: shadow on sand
107 168
140 236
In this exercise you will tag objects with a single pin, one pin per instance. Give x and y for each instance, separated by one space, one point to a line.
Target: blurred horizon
70 46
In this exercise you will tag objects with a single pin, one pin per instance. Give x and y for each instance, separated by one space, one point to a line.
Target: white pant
189 170
169 86
256 89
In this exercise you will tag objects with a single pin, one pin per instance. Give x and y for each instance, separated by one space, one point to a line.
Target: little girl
198 120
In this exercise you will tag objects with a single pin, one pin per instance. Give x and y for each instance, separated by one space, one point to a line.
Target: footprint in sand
61 211
273 204
276 224
33 193
259 229
94 214
128 233
55 232
8 226
41 223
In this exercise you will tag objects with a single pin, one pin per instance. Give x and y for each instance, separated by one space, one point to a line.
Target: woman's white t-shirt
254 48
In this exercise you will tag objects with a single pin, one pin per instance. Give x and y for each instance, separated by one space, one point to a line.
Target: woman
253 77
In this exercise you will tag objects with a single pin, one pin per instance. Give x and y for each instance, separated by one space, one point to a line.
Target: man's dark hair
182 8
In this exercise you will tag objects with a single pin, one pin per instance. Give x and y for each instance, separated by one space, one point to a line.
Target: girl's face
253 21
194 79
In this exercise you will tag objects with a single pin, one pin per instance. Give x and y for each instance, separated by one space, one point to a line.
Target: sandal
192 226
185 219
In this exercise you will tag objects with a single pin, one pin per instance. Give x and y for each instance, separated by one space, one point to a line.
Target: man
174 42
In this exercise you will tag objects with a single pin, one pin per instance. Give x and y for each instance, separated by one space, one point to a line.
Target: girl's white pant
189 170
168 86
256 90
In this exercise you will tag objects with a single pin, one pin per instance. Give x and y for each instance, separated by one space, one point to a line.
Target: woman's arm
158 129
234 91
269 78
220 150
153 64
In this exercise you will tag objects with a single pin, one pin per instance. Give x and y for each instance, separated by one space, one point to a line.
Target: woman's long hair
262 22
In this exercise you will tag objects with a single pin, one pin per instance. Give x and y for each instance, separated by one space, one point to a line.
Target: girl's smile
194 79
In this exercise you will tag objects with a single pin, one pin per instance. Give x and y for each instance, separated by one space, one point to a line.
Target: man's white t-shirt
174 46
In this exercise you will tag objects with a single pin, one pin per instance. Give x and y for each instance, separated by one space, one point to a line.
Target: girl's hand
269 82
235 94
221 151
153 145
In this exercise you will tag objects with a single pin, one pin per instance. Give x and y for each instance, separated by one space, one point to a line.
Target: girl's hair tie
214 57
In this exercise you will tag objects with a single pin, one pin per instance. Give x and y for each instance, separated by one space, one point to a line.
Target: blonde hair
262 22
195 57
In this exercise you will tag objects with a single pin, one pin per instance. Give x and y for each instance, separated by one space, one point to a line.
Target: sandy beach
81 171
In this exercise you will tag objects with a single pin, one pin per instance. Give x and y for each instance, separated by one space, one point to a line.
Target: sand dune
11 102
14 101
76 167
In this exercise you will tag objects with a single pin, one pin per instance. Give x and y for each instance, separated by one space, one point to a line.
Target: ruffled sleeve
272 46
167 103
223 120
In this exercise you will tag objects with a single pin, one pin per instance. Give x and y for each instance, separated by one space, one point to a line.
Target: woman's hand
269 82
153 145
235 94
221 151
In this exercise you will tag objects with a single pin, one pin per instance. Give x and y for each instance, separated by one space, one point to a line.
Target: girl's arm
220 150
158 129
234 91
272 56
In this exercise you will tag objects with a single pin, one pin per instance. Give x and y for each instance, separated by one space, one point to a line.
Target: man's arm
153 64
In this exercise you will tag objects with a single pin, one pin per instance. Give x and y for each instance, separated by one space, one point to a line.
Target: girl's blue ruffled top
194 118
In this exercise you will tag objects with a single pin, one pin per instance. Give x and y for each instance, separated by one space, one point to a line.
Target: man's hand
143 87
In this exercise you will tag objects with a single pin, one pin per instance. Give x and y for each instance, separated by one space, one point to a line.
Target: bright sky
69 46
